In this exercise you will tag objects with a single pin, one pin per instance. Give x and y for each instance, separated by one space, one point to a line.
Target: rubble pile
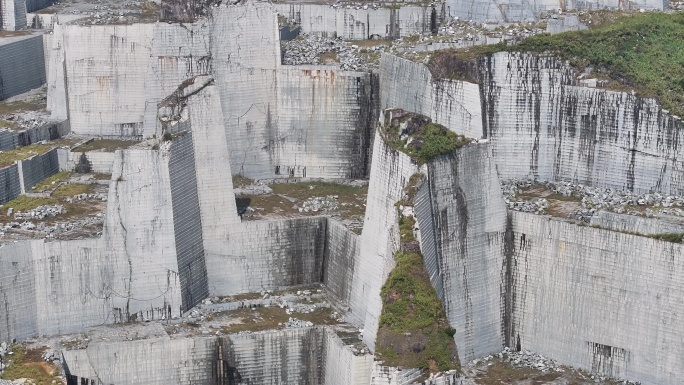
592 199
297 323
86 198
25 121
39 212
530 360
307 49
5 353
316 204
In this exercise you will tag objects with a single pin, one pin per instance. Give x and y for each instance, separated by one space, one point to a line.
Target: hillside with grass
643 52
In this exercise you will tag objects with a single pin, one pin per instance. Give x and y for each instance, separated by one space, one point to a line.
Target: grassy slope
646 51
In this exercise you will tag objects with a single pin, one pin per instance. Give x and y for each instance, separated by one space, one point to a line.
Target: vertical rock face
516 10
358 24
342 366
610 302
284 121
12 15
187 223
543 127
105 72
341 254
408 85
22 66
150 361
462 218
390 171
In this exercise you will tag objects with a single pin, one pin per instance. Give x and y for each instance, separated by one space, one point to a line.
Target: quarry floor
64 206
344 200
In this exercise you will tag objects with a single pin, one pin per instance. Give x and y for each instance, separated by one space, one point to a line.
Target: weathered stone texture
466 216
410 86
609 302
543 127
22 66
341 253
390 171
358 24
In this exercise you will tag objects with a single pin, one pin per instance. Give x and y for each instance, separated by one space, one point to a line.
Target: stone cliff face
544 127
462 221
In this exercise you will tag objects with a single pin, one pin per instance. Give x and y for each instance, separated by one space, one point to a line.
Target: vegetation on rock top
644 52
413 328
418 137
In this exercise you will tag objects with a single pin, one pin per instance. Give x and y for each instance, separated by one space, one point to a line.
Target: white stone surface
542 127
468 219
410 86
579 286
358 23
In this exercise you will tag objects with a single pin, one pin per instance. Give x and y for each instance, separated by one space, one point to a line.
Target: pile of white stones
39 212
316 204
593 199
306 49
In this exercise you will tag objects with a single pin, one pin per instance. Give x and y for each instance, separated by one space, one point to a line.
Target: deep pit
213 192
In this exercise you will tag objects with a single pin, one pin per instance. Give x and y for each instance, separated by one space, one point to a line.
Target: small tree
83 166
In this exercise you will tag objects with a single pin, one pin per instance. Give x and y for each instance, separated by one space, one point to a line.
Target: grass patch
21 153
22 105
503 373
416 136
107 145
50 182
645 51
669 237
27 363
12 125
71 189
241 181
413 328
24 203
460 64
102 176
269 318
369 43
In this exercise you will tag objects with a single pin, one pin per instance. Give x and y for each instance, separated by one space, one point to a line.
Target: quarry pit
371 193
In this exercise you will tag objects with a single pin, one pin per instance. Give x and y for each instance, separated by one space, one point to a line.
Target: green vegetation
413 328
21 153
25 203
418 137
268 318
29 364
240 181
52 181
668 237
107 145
71 189
460 64
645 51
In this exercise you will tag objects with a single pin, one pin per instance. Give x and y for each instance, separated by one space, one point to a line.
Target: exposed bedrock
515 10
544 127
292 356
284 121
606 301
129 273
390 171
454 104
22 65
462 219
